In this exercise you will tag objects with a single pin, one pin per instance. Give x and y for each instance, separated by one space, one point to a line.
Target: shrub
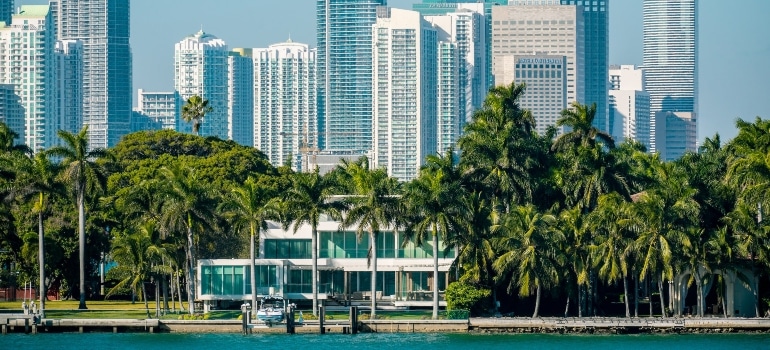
465 296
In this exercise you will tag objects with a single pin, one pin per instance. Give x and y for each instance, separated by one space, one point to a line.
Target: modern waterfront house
283 267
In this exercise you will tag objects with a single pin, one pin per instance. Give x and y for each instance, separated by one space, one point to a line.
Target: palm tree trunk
756 294
580 300
660 293
566 308
435 274
144 296
253 274
373 244
82 246
537 302
41 257
190 270
625 295
314 255
636 296
699 294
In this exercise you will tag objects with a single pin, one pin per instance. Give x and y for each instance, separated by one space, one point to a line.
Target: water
402 341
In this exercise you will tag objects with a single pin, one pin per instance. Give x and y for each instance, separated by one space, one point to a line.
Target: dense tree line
572 218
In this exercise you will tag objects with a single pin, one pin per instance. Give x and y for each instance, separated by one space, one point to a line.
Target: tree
374 206
310 196
189 207
137 259
579 119
194 110
529 260
85 175
37 181
434 203
613 244
249 206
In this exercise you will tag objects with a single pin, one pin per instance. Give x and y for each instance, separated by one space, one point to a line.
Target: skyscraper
442 7
405 75
557 30
344 38
104 28
285 122
464 30
200 68
69 81
670 60
27 64
596 24
240 99
6 11
629 105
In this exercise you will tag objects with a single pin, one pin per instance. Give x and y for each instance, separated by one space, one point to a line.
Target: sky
733 48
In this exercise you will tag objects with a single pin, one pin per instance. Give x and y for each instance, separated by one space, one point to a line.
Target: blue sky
733 47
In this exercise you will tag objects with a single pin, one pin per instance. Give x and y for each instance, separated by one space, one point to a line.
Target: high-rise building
69 81
463 87
670 59
676 134
200 68
542 30
596 24
344 39
240 99
546 79
442 7
629 105
405 77
160 107
27 63
12 111
285 123
6 11
103 26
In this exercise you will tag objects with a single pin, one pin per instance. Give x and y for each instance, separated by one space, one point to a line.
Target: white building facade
161 107
285 123
546 79
404 86
201 68
629 105
240 97
69 85
27 64
462 81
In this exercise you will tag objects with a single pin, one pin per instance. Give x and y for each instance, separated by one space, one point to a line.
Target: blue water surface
400 341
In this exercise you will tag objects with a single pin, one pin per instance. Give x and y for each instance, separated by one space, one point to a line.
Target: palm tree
189 207
373 207
611 223
529 260
434 204
575 248
579 118
310 196
137 259
250 206
85 175
194 109
37 181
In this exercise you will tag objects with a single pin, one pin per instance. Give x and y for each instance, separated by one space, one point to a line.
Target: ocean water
414 341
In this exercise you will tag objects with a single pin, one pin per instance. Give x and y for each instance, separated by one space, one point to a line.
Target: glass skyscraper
670 58
104 28
6 10
344 38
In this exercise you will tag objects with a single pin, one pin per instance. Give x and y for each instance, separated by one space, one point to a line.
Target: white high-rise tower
285 123
200 68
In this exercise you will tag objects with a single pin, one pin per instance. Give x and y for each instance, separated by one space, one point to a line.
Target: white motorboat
272 310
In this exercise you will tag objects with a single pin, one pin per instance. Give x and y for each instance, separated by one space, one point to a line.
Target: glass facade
288 249
235 280
344 39
670 58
